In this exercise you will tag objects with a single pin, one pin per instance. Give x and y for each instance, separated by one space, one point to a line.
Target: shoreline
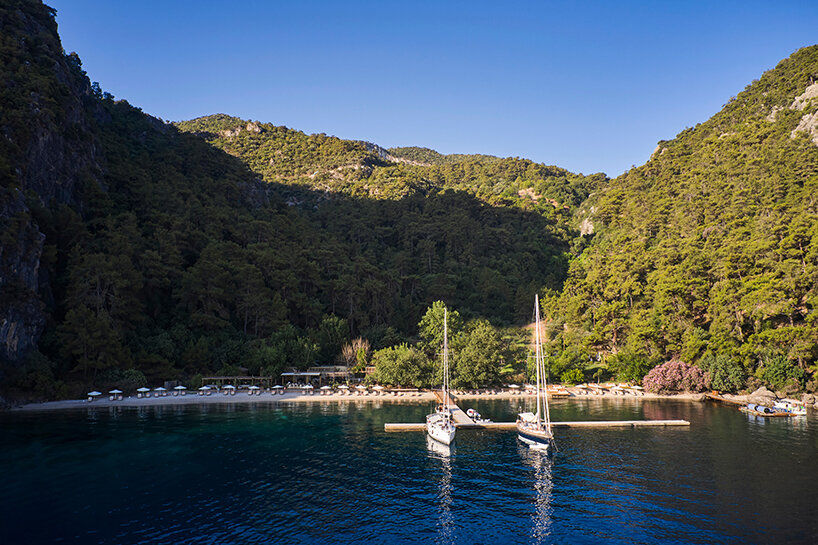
298 397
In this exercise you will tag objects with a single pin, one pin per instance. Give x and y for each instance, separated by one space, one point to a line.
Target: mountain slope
712 245
134 250
329 164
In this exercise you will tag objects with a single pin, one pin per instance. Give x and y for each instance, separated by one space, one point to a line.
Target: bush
676 376
133 379
726 374
564 362
571 377
780 373
402 365
629 366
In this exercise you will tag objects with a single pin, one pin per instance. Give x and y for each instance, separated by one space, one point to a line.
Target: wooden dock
418 426
460 418
462 421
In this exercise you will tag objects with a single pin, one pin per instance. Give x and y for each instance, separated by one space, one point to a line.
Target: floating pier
462 421
418 426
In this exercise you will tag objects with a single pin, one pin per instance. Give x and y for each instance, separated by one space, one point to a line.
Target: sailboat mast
445 358
538 353
542 374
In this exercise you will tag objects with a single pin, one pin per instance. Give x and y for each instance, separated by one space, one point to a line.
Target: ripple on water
327 473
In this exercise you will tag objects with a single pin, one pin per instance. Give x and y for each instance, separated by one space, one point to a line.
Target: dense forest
709 251
221 245
135 250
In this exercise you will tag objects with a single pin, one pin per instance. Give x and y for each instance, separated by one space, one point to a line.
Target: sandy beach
316 397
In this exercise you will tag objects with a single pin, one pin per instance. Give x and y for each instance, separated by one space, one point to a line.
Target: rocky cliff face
47 151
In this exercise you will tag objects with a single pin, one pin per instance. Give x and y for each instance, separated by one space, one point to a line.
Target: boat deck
461 419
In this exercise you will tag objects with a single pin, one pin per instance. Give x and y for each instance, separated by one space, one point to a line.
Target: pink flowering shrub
676 376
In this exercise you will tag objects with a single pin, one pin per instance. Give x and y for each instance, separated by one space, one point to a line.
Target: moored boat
440 424
781 409
534 429
792 406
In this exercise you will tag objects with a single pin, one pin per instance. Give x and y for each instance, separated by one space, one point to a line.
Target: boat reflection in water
445 521
541 463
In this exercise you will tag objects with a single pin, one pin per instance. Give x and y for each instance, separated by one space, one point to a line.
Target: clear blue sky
589 86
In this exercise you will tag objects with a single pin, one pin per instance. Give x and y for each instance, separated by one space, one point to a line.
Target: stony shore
760 396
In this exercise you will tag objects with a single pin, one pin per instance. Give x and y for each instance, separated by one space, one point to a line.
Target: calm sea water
328 473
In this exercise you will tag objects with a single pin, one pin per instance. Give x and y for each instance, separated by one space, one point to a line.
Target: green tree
630 366
330 337
402 365
478 356
91 342
572 376
430 328
726 374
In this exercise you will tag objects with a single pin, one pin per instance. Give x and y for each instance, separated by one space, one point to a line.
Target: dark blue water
328 473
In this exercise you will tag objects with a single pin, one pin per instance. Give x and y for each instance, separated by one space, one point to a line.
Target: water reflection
445 520
543 485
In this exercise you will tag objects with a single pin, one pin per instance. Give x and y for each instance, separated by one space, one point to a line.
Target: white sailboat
534 429
439 424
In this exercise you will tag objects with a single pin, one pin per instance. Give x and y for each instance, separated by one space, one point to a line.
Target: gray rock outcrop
762 396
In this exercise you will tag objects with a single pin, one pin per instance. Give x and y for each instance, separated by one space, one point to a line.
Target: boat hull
535 438
441 434
440 429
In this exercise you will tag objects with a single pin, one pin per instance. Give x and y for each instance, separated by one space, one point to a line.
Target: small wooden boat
768 412
792 406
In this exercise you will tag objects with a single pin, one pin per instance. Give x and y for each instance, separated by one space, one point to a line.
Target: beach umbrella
115 394
252 387
343 387
229 387
278 387
326 387
377 387
308 386
513 385
180 388
142 390
159 391
94 393
360 387
204 388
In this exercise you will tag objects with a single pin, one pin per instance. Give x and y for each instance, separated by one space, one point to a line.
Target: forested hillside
329 164
135 250
151 254
709 251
